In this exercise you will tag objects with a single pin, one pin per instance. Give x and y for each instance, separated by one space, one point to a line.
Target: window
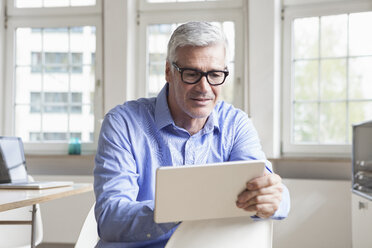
327 79
156 29
52 3
52 73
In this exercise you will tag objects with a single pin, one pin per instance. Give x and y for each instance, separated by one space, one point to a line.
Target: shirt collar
164 118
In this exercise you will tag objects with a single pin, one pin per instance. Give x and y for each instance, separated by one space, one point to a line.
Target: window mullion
42 85
69 93
319 78
347 138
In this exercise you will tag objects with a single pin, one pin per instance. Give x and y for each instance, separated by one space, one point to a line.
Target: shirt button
148 235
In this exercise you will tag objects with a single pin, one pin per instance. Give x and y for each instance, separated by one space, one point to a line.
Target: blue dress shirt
138 137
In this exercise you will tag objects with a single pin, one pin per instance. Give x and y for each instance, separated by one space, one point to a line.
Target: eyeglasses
192 76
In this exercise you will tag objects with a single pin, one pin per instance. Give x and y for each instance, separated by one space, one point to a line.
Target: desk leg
33 213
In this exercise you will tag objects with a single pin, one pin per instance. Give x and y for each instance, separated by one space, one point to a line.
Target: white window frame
58 17
291 12
159 13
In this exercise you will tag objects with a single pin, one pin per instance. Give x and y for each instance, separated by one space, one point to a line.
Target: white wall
320 215
119 18
264 72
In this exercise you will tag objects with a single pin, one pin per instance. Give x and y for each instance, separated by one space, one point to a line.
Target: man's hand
262 194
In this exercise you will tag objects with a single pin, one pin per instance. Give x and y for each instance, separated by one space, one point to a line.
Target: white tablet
200 192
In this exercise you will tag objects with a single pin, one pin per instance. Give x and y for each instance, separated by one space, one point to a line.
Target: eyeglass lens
192 76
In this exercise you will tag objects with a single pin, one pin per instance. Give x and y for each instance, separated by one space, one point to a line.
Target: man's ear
168 72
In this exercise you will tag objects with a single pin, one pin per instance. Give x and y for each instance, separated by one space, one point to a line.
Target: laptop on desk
13 170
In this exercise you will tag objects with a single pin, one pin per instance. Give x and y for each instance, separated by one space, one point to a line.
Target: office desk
17 198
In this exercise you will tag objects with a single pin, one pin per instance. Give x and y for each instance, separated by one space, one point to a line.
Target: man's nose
203 84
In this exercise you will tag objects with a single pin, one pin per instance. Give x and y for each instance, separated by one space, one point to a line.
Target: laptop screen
12 160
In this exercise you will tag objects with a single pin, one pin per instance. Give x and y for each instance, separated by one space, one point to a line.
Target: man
184 124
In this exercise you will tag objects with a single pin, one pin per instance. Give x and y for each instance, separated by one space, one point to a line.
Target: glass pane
229 30
332 123
56 40
306 80
28 3
360 33
52 3
158 36
35 136
333 79
54 136
227 92
25 82
359 112
156 78
360 78
56 3
55 123
305 122
334 36
306 37
76 97
83 2
77 58
86 48
84 80
55 79
83 123
35 102
26 122
33 44
53 97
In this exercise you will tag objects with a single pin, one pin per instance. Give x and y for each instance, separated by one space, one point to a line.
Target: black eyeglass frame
202 74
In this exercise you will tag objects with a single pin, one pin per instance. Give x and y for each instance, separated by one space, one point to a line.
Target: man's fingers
249 194
264 181
261 199
263 210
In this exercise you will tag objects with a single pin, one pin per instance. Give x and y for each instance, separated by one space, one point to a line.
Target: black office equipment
362 159
12 160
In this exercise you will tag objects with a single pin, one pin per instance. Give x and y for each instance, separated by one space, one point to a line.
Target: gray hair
198 34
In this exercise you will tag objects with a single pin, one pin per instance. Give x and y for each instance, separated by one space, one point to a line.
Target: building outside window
54 72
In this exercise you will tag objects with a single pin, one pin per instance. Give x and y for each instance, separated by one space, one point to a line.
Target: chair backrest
219 233
88 235
19 236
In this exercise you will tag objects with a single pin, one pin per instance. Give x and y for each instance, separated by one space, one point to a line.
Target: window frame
159 13
52 11
292 12
64 18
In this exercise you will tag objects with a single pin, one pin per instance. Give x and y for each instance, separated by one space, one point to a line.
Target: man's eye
216 74
190 74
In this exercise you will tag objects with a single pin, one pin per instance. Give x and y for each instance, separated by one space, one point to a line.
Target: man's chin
200 113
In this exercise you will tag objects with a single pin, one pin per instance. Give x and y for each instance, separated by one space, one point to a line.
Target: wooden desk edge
78 188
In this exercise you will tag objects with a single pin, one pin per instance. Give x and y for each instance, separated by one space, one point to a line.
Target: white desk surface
17 198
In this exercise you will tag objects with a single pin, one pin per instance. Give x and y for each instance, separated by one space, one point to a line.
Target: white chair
220 233
88 236
19 235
